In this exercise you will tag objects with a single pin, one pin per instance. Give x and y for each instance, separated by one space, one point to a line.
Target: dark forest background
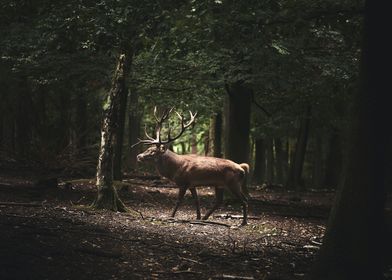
286 86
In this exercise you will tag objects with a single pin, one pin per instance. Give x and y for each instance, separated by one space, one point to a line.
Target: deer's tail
244 186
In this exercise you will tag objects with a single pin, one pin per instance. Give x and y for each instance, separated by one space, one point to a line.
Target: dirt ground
49 232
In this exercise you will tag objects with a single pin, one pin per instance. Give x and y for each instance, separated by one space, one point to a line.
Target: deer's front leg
217 204
197 203
181 193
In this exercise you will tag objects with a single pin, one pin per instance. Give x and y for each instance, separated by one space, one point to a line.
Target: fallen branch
208 223
185 272
229 216
190 260
192 222
227 276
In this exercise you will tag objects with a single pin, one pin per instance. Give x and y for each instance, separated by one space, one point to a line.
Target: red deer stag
191 171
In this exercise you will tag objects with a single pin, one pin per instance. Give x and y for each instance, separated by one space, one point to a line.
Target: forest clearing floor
49 232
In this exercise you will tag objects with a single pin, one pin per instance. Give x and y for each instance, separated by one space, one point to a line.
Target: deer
191 171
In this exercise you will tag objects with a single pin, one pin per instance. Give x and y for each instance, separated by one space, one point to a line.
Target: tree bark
133 128
318 162
81 122
23 120
217 138
279 161
119 143
193 143
295 174
216 135
259 169
107 197
238 123
270 170
334 160
354 244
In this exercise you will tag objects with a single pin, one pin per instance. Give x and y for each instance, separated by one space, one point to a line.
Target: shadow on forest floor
48 232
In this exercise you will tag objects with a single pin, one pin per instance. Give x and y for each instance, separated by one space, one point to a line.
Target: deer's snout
139 157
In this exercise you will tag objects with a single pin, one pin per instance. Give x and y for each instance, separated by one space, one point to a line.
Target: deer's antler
159 120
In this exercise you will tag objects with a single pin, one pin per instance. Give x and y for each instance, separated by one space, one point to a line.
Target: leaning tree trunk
107 197
239 108
354 244
295 173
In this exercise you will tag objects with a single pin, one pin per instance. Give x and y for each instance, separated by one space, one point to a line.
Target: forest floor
49 232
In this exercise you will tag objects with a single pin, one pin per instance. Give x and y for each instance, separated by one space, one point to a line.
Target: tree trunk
238 122
279 161
270 172
295 174
23 121
81 122
133 128
107 197
318 162
216 135
238 129
334 160
118 152
354 244
193 143
259 169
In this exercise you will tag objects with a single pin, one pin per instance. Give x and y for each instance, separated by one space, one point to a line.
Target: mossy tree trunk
119 139
107 197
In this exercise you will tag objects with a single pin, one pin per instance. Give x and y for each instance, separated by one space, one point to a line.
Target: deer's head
159 146
152 153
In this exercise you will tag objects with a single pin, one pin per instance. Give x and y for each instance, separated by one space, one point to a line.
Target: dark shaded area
51 229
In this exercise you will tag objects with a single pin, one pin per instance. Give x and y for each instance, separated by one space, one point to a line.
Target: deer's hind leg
235 189
180 198
217 204
197 202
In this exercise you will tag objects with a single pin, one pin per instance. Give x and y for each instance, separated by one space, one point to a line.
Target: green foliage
291 53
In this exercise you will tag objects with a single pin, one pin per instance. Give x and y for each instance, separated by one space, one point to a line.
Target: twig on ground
192 222
227 276
190 260
186 272
229 216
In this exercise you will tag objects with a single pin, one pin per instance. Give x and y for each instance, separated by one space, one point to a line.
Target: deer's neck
168 164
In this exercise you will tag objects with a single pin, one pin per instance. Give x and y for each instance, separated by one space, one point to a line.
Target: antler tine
155 114
165 116
183 126
193 117
148 136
